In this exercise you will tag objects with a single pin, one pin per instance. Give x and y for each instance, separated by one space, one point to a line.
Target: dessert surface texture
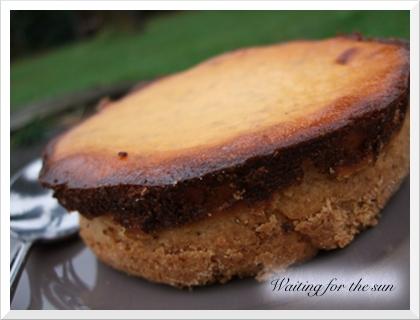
248 162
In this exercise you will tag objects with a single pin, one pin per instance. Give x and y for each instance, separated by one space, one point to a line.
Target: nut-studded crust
343 136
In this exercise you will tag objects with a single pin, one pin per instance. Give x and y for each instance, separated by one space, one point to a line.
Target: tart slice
247 162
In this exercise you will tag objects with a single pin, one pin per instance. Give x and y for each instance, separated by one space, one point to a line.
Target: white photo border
7 6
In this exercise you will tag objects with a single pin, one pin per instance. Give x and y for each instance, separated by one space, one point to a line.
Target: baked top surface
237 106
238 127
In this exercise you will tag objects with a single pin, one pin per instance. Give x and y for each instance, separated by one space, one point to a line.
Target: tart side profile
233 129
255 240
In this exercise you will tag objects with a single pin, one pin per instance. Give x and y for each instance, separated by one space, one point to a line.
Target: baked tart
248 162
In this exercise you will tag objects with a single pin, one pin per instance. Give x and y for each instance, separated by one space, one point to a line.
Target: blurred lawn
175 42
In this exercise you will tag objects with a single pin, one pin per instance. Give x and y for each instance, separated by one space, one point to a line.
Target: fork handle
17 262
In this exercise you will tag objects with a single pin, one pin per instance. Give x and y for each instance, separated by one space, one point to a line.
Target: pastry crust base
321 212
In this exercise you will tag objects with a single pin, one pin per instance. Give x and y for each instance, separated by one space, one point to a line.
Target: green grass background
174 42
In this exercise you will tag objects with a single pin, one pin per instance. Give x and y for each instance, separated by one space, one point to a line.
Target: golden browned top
230 109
